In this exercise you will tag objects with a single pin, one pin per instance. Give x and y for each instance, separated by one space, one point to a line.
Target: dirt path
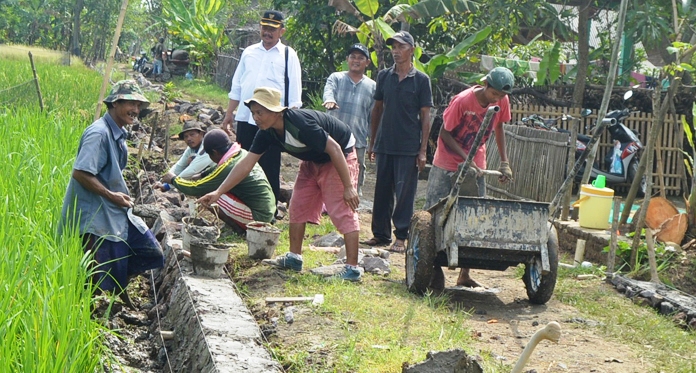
503 320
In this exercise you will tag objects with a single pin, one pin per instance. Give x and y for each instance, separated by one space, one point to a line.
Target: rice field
46 324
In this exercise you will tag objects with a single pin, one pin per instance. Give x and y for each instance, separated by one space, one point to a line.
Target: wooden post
571 161
660 171
110 63
36 81
611 78
611 261
166 142
650 241
579 253
152 132
646 201
140 150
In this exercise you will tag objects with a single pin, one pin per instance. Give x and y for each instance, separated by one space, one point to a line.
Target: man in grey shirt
97 205
348 97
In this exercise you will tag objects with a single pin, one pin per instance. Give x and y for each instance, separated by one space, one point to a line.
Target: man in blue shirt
97 204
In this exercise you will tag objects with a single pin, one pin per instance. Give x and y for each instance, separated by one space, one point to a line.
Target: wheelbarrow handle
469 159
489 172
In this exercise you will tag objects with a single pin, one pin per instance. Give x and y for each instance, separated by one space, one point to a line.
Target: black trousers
270 160
395 194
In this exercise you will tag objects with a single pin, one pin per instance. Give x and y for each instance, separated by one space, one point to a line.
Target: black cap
403 37
359 48
272 18
216 139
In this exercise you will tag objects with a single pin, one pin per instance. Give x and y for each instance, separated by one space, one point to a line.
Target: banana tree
374 29
690 166
195 23
438 64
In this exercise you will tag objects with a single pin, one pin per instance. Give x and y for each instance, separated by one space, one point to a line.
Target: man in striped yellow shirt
250 200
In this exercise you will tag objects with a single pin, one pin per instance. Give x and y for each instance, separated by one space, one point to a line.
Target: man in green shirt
250 200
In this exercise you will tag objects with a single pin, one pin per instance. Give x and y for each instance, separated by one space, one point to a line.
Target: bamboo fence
538 160
669 177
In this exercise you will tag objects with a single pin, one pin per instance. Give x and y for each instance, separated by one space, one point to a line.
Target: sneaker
360 192
347 274
286 261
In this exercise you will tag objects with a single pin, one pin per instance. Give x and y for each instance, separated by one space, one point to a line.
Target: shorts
440 182
235 209
318 184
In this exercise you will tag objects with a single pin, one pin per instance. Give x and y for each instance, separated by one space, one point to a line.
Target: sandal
374 241
397 247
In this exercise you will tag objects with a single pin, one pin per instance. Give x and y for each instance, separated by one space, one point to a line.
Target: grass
653 336
67 91
20 52
202 90
380 323
47 325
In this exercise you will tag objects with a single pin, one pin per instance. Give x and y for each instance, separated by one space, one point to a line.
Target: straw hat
268 98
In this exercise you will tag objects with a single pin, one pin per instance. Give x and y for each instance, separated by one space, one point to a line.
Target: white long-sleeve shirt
259 67
186 170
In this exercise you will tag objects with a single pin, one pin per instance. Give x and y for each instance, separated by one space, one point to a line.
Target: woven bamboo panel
668 168
538 161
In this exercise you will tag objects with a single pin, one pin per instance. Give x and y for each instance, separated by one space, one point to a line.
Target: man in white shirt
194 160
264 65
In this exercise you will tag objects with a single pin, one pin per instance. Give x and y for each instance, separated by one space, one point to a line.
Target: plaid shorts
318 184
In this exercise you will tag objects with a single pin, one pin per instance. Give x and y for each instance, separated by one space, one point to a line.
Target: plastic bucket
595 206
262 239
197 230
208 259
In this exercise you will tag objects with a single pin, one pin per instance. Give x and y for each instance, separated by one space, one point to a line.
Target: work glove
506 171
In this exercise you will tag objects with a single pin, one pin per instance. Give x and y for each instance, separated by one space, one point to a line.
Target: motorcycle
620 166
140 63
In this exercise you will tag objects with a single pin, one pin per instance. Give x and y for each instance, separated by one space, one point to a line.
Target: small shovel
316 299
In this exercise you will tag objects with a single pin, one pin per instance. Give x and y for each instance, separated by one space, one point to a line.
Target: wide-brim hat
127 90
268 98
272 18
190 126
500 78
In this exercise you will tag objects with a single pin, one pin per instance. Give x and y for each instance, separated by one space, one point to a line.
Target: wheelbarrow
483 233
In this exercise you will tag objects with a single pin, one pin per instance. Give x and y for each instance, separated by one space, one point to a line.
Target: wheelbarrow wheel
420 252
540 285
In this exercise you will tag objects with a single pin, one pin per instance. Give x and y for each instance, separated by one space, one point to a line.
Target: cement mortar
213 329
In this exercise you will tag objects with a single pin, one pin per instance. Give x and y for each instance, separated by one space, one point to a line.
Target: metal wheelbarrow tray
484 233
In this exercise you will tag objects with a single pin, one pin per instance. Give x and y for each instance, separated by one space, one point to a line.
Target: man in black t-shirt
327 176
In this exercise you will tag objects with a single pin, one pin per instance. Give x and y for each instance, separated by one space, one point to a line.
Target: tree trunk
75 42
583 53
